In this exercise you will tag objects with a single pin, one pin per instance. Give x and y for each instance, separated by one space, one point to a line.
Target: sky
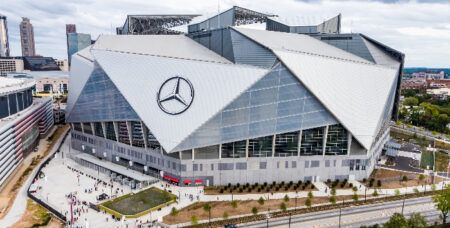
420 29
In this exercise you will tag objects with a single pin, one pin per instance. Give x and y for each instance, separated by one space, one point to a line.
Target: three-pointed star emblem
175 95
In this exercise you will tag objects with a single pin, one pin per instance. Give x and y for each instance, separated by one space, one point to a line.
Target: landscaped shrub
255 210
283 207
261 201
378 183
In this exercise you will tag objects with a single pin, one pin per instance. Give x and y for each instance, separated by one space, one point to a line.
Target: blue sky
420 29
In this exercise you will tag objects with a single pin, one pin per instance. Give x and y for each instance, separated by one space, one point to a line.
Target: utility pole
290 214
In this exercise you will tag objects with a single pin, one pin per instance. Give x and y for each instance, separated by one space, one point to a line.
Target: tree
375 193
310 195
404 178
283 207
255 210
286 198
225 215
411 101
174 211
421 177
234 204
397 220
207 207
194 220
355 197
417 221
333 200
333 191
261 201
308 202
397 192
442 202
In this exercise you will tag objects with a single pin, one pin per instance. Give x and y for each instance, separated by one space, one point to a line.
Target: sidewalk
20 203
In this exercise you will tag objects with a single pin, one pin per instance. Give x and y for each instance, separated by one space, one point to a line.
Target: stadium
23 120
228 103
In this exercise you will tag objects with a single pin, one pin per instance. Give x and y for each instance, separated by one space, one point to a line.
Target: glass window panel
260 147
98 129
337 140
286 144
87 128
123 132
312 142
234 149
110 132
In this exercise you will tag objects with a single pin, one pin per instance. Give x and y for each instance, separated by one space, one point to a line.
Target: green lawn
427 159
131 204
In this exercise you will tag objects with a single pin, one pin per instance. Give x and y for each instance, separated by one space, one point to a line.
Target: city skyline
417 29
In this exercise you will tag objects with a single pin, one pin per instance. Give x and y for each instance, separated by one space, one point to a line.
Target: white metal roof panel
175 46
80 71
355 93
9 85
139 78
296 42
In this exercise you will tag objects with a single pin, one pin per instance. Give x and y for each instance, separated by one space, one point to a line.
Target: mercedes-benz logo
175 95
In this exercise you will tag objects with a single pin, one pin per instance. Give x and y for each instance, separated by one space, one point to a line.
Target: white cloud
420 30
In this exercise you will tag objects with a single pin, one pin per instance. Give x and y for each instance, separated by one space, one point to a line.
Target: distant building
429 75
71 28
52 84
40 63
4 40
440 93
153 24
442 83
414 83
59 113
8 65
27 37
63 65
76 42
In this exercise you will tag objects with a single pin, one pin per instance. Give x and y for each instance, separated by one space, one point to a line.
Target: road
422 132
355 216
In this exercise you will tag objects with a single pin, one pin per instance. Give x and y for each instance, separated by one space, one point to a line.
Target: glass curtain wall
260 147
286 144
234 149
337 140
312 142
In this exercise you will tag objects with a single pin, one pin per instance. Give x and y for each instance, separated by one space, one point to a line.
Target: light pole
296 196
290 214
403 204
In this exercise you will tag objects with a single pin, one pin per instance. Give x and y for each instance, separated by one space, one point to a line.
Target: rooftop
8 85
171 46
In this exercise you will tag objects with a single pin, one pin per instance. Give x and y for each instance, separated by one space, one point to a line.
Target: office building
62 64
229 104
27 37
4 39
23 119
71 28
77 42
10 65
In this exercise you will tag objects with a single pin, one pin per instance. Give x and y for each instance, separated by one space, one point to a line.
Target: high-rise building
4 43
27 37
76 42
71 28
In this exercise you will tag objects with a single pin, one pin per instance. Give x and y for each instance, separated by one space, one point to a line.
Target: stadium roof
296 42
172 46
352 88
215 84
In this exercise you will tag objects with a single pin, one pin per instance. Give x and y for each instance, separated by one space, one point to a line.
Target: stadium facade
226 104
23 119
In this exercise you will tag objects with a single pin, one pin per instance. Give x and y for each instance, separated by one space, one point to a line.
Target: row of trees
441 200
